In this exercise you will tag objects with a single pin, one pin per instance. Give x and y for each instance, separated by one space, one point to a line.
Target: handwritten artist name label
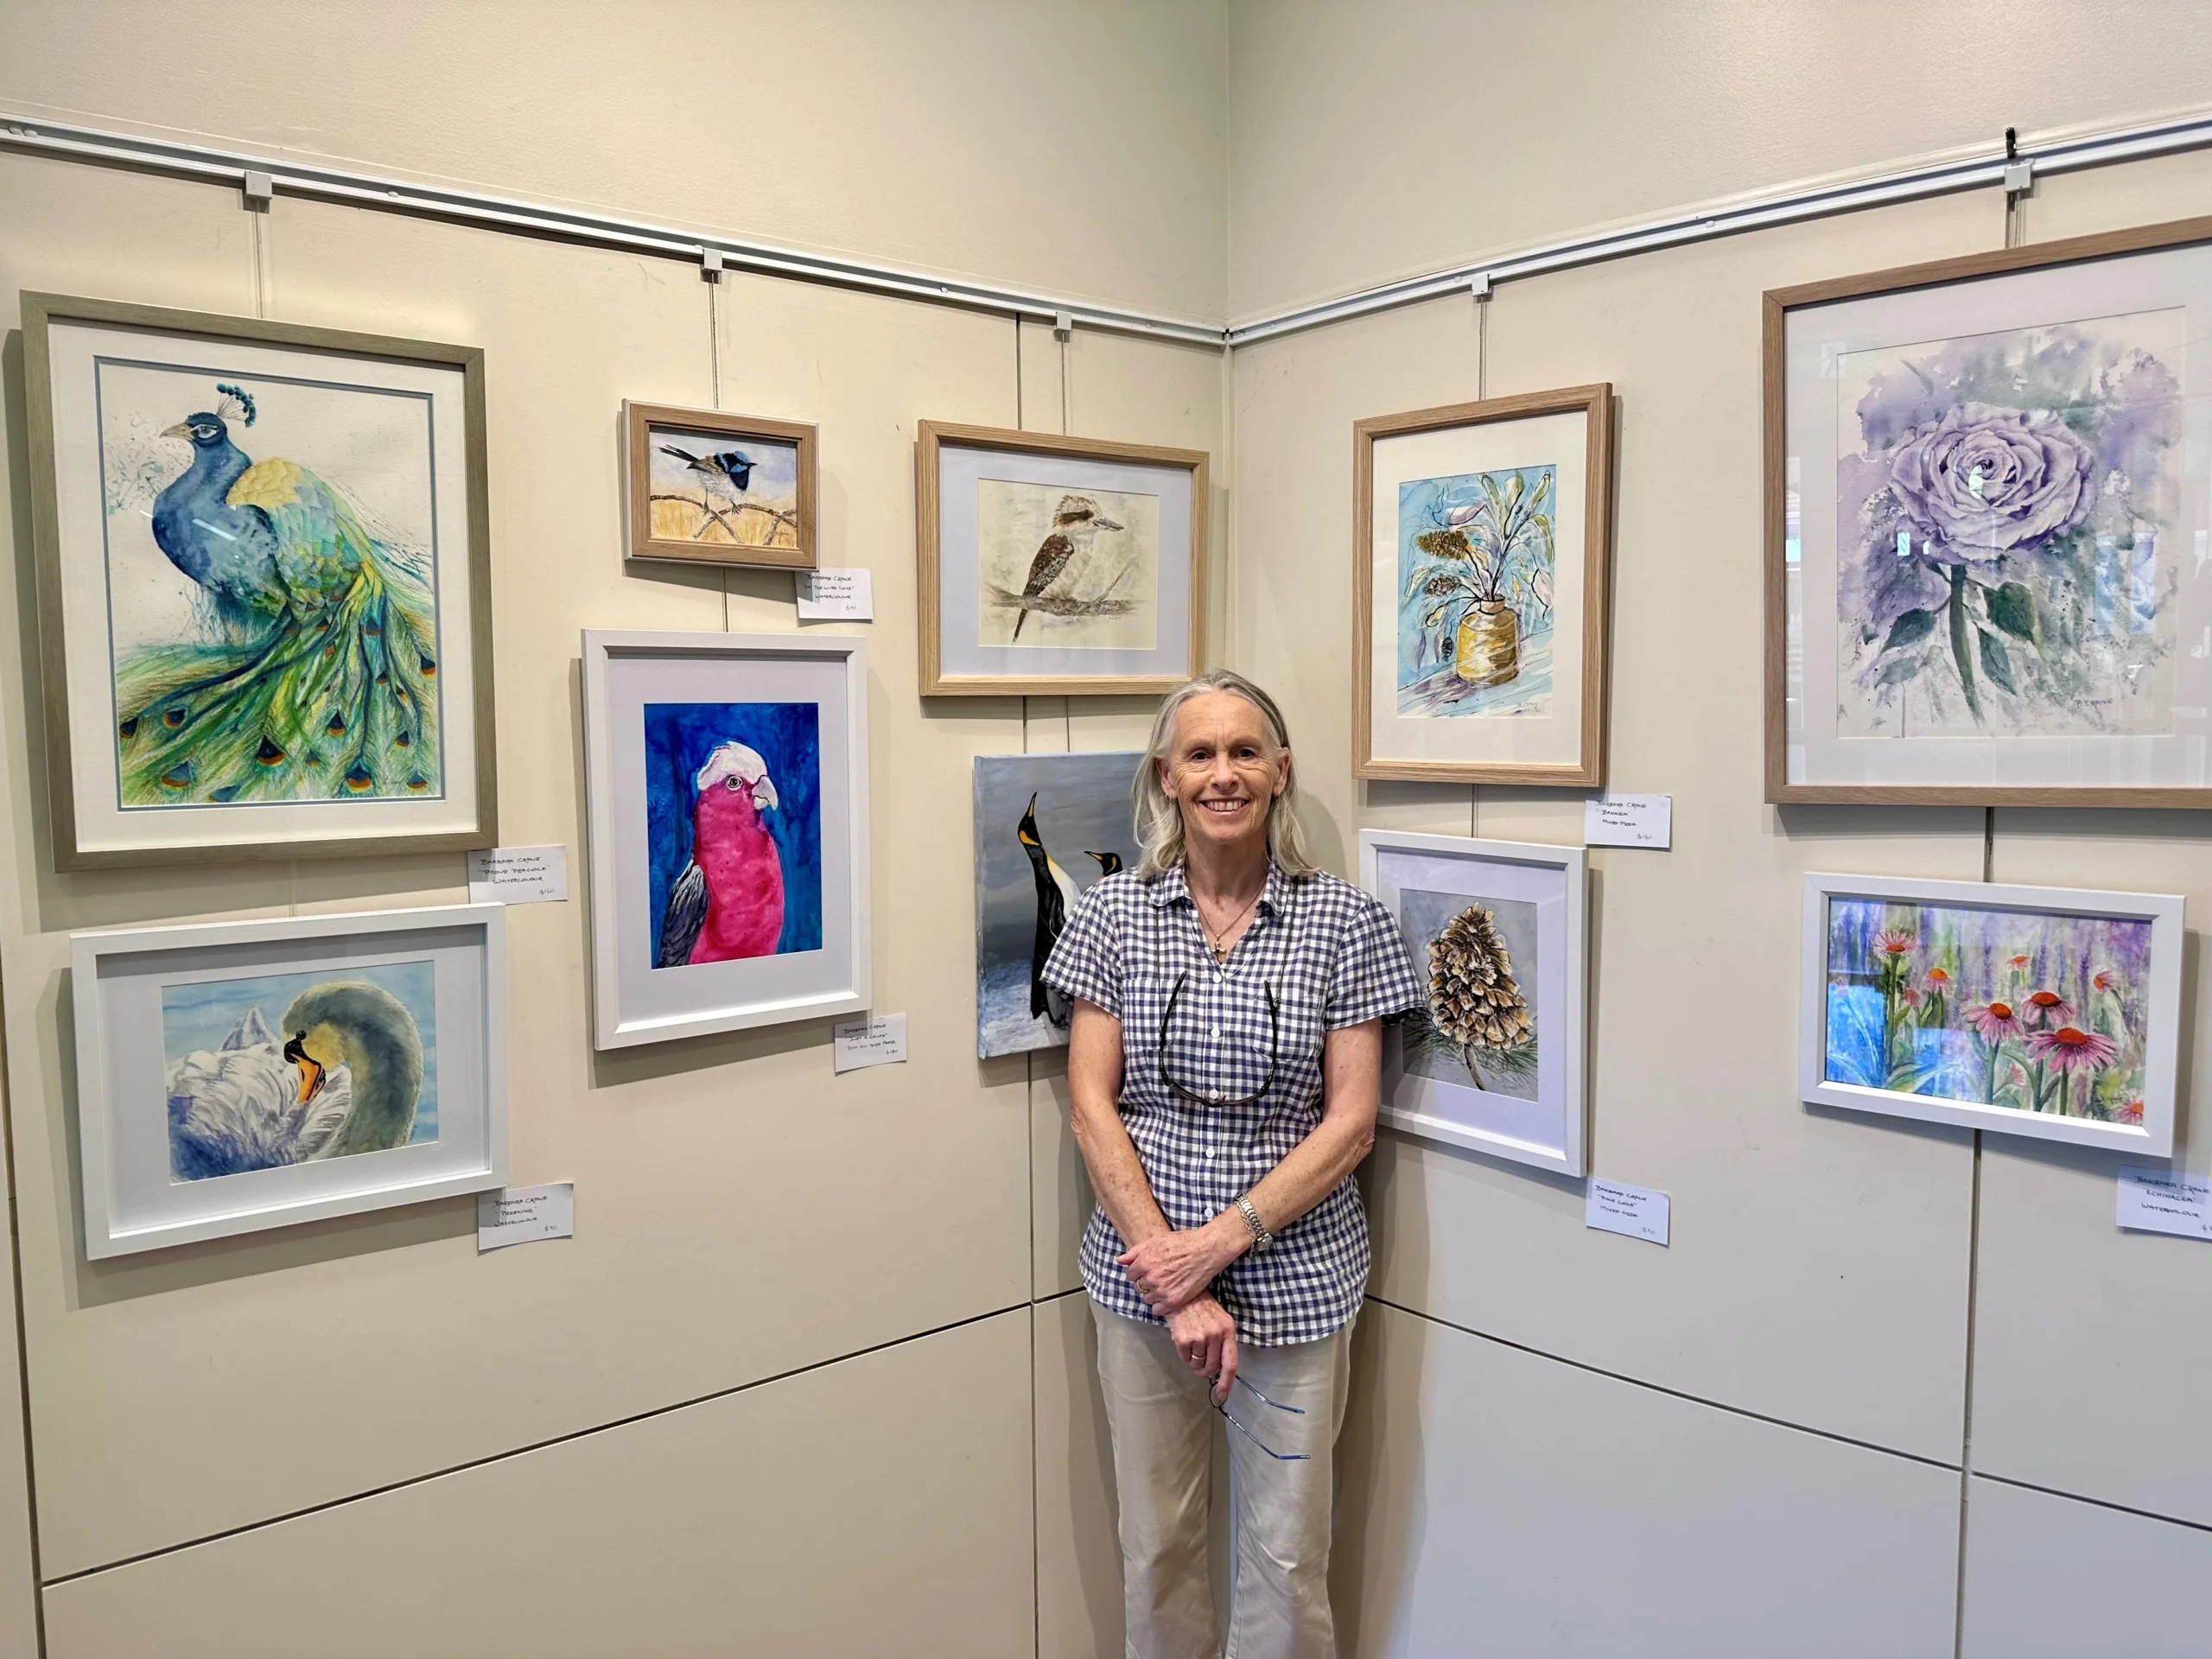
523 1215
1632 1211
878 1041
517 875
2165 1201
839 596
1611 820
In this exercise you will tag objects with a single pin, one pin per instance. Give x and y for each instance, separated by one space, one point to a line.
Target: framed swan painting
237 1075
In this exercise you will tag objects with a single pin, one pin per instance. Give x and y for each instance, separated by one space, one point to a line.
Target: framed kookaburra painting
264 586
1056 565
726 778
1493 1060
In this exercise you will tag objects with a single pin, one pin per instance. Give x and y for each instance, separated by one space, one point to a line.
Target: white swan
259 1103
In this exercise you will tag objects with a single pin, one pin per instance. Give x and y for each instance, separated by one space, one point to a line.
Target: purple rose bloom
1983 481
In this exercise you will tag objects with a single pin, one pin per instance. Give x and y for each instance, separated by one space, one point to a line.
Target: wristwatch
1262 1238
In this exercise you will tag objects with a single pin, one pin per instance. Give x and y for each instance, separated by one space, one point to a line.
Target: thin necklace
1214 940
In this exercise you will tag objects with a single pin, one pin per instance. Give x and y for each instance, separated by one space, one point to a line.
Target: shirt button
1209 1152
1217 1032
1213 1094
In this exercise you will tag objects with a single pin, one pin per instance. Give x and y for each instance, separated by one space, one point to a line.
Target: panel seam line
464 1466
1674 1394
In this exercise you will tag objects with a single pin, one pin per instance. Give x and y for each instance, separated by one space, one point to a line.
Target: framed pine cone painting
1493 1062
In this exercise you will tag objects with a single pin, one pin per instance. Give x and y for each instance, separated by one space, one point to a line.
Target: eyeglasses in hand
1296 1411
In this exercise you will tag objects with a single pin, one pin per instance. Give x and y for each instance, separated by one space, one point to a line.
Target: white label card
523 1215
2165 1201
517 875
845 596
1611 820
879 1040
1635 1212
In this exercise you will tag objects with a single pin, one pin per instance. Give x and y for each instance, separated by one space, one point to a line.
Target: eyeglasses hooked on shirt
1214 1097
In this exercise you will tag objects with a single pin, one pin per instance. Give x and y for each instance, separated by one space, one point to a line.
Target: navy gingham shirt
1332 957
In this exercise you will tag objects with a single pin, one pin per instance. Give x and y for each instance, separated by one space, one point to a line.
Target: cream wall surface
1877 1307
1380 140
779 1392
815 1376
1053 144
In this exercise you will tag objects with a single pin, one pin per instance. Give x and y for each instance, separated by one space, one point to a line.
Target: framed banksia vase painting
1482 537
264 583
1988 490
2048 1011
1057 566
725 796
1493 1060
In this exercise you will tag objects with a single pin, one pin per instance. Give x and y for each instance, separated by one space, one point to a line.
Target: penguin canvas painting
1064 569
272 614
733 831
281 1069
1047 828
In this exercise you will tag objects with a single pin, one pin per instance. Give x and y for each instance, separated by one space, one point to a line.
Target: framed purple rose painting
1987 491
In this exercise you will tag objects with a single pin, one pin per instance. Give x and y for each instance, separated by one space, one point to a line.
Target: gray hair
1160 820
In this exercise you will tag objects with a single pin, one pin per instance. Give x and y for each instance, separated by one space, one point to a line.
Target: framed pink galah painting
728 784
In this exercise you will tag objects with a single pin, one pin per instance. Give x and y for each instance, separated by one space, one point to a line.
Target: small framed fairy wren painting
726 784
264 584
705 487
1057 566
1483 534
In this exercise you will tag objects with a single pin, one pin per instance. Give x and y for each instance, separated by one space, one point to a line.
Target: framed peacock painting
264 586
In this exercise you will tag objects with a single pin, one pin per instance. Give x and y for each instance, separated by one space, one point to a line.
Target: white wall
1817 1292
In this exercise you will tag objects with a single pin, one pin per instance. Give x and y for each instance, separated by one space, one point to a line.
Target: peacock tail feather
336 700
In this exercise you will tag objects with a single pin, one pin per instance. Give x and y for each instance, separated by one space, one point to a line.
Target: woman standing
1224 1066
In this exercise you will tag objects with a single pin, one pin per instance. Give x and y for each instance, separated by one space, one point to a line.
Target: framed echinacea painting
1480 590
2038 1011
1494 1060
237 1075
727 784
264 586
1988 488
706 487
1057 566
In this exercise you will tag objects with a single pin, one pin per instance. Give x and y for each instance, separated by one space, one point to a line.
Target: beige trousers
1163 1426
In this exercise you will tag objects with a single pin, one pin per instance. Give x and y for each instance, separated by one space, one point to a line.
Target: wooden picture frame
1528 1102
165 741
2037 699
200 1116
2052 1013
724 506
982 483
1524 637
771 729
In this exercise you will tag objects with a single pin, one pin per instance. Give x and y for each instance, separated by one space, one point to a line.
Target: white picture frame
672 957
1995 961
1541 1120
148 1000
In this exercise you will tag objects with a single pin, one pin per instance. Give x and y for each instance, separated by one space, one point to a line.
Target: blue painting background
1423 503
679 736
199 1015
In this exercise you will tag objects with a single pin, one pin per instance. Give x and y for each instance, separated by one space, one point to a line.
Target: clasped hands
1171 1271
